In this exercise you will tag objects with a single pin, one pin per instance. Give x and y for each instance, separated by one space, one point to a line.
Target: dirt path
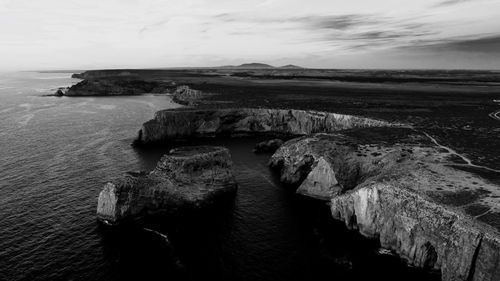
464 158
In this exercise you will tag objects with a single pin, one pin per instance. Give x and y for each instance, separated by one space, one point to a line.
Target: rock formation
168 125
61 92
185 178
321 182
117 87
268 146
186 96
404 191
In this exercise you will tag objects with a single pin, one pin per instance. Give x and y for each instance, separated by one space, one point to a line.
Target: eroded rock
321 182
61 92
187 96
185 178
406 192
168 125
269 146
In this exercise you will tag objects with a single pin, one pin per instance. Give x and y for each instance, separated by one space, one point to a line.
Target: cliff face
406 193
168 124
426 234
186 178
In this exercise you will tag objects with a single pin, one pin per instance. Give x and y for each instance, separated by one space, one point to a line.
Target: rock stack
185 178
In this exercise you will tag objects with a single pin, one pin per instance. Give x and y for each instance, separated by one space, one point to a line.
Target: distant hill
256 65
291 66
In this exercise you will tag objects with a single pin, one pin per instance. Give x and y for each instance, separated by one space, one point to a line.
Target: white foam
24 120
160 234
495 115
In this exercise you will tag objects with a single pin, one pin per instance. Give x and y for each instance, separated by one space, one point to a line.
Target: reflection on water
57 153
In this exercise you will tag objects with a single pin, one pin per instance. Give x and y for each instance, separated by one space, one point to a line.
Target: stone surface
185 178
186 96
61 92
321 182
268 146
169 125
406 192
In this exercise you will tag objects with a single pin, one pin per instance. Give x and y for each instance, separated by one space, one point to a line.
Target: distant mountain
256 65
291 66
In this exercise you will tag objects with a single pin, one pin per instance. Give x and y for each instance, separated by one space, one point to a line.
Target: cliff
168 125
185 178
396 186
116 87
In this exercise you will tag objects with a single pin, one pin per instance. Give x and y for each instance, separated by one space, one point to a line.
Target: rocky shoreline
116 87
402 191
169 125
383 179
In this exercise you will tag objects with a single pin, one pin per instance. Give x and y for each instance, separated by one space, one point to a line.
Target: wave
164 236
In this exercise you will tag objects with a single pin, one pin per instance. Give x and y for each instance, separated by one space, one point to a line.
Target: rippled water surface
56 153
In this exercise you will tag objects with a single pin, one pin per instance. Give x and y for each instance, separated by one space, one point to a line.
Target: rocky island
185 178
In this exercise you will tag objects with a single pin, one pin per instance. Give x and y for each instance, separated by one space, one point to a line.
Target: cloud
451 2
337 22
155 33
154 25
364 32
486 45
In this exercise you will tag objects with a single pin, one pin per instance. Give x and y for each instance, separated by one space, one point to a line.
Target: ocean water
57 152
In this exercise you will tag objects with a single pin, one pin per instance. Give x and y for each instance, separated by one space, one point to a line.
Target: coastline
474 265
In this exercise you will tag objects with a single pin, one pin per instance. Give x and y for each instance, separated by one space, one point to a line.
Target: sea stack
185 178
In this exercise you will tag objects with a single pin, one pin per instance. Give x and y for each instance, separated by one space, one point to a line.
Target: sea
56 153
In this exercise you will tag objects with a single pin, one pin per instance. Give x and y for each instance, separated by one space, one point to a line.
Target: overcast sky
89 34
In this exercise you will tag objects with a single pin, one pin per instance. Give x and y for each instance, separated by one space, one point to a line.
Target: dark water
56 153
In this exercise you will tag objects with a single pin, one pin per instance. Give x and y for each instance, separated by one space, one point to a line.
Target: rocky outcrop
268 146
321 182
399 188
117 87
325 165
98 74
185 178
186 96
77 76
61 92
168 125
421 231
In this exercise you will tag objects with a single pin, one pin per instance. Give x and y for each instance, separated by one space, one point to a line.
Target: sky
93 34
